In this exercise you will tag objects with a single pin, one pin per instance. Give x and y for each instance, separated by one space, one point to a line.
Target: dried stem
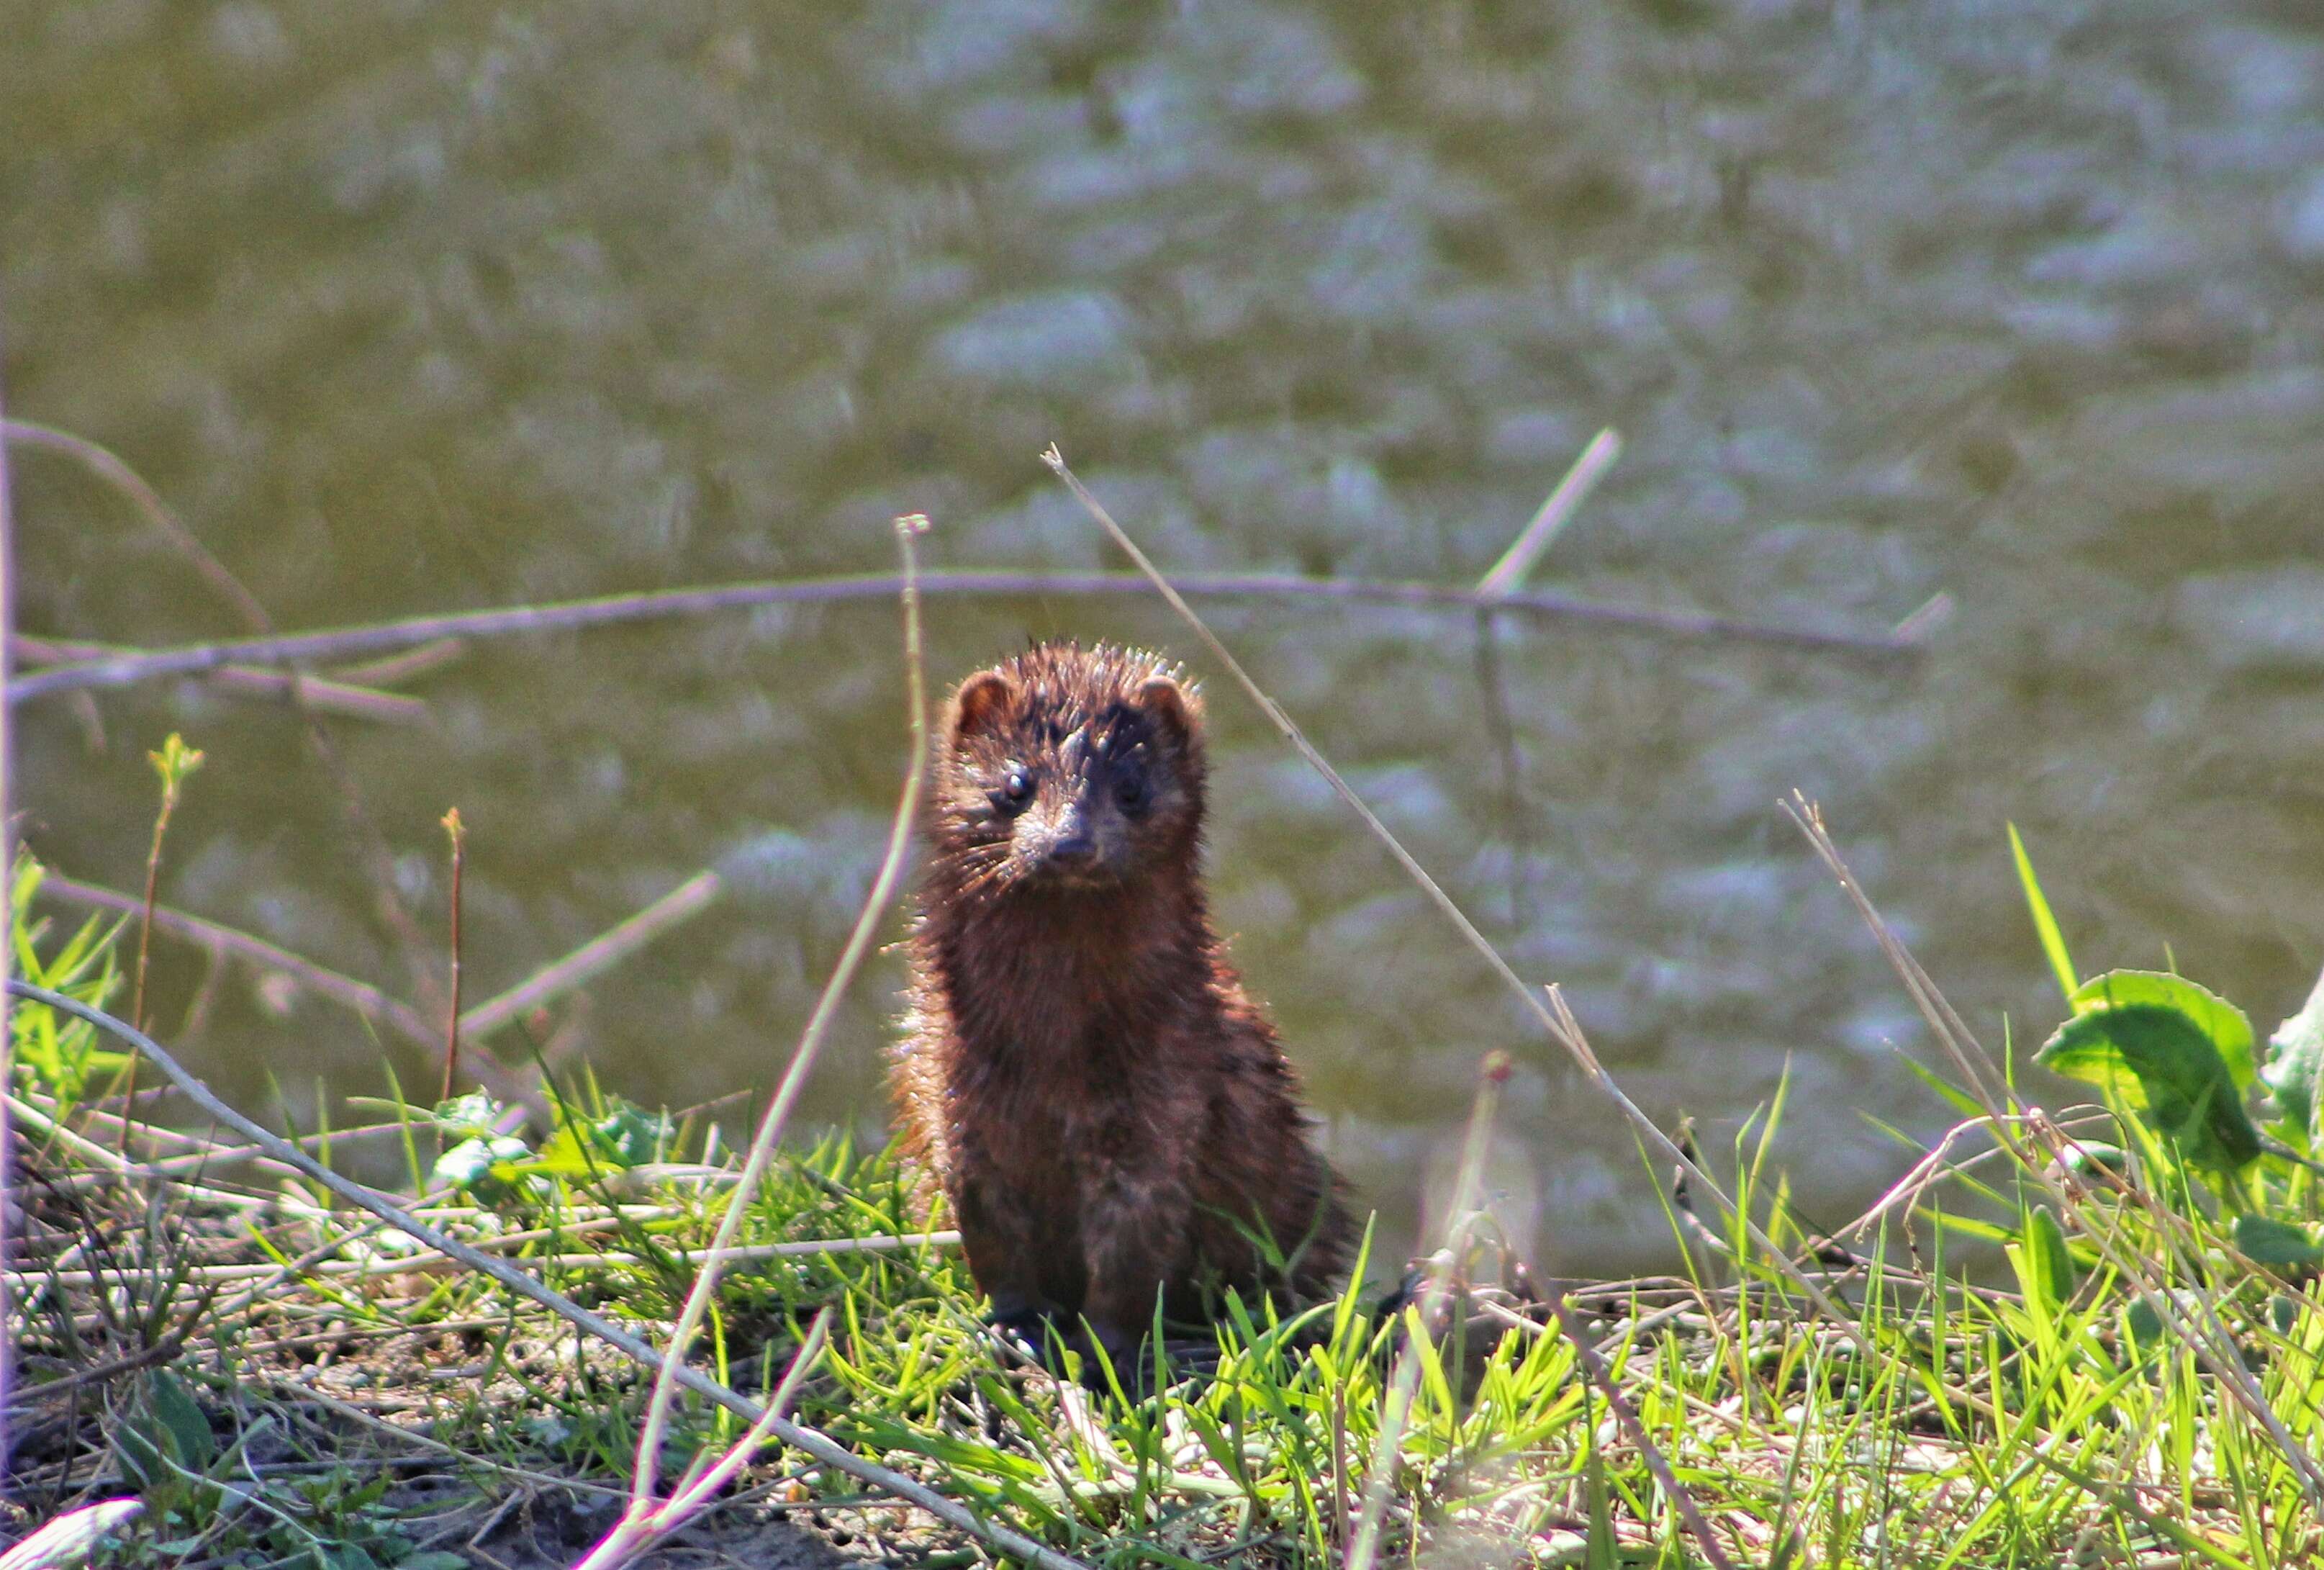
452 827
1594 1366
645 1522
1507 574
1504 577
2038 1148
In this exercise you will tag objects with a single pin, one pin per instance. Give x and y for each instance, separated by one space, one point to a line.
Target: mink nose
1071 840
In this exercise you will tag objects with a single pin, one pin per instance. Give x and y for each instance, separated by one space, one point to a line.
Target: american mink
1108 1114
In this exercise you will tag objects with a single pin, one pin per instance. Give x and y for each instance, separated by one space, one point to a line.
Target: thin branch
360 997
1624 1414
1555 513
1503 577
330 697
352 643
392 668
813 1441
321 1266
495 1013
110 468
616 944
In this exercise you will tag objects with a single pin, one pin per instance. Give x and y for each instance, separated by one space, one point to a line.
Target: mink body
1108 1114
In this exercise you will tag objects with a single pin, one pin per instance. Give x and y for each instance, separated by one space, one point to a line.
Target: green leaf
189 1431
2045 924
175 761
136 1449
2267 1242
2047 1262
2157 1064
470 1116
485 1168
2144 1320
2227 1026
631 1136
2089 1158
2295 1065
626 1136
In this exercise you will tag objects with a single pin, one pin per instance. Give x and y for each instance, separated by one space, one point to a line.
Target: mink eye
1130 792
1016 792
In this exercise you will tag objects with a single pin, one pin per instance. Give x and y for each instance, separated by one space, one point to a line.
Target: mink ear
978 707
1169 705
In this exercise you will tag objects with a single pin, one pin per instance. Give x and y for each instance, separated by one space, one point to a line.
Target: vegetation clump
277 1378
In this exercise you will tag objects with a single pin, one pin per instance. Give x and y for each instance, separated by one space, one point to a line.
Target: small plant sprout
175 762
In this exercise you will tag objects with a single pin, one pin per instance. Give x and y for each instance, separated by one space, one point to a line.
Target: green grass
2045 1352
2019 1418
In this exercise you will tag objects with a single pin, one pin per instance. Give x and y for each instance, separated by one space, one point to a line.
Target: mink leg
1133 1239
1004 1265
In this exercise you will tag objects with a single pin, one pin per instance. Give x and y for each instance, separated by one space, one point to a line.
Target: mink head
1066 770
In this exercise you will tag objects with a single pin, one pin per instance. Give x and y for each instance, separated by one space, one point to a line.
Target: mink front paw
1022 1321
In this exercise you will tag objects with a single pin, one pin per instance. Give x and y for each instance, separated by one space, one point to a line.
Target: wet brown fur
1107 1112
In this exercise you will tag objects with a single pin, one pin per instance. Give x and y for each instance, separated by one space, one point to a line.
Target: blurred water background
409 307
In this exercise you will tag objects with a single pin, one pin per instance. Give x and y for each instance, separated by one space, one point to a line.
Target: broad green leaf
631 1135
189 1431
2268 1241
2045 924
2227 1026
2089 1158
470 1116
486 1169
2046 1257
2295 1065
2144 1320
2159 1064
